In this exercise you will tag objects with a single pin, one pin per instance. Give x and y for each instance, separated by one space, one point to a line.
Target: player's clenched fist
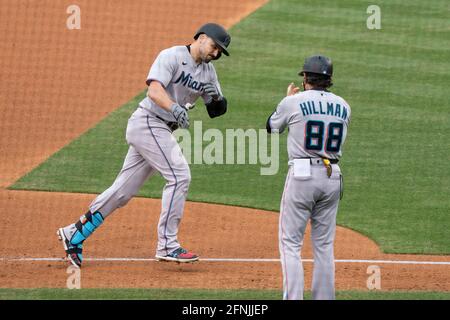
180 115
212 91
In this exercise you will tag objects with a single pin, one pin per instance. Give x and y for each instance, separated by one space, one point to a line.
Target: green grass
202 294
395 79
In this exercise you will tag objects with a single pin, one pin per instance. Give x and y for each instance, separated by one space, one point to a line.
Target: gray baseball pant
152 148
314 198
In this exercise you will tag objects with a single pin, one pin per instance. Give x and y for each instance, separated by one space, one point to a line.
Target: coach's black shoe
74 254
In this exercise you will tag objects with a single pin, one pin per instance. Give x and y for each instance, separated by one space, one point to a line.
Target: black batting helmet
318 64
218 34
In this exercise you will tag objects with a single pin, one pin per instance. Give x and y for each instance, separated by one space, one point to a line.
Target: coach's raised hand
292 89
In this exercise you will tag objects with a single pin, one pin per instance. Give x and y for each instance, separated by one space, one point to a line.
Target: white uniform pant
152 148
315 198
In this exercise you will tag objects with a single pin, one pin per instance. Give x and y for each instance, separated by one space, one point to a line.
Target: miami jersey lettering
182 78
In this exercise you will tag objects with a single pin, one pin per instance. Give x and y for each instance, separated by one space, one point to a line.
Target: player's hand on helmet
292 89
181 115
212 91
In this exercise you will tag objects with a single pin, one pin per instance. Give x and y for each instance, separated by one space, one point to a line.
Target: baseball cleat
73 253
179 255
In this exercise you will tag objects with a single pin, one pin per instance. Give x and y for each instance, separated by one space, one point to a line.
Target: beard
208 58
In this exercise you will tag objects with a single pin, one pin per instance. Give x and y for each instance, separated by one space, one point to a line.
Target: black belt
332 161
172 125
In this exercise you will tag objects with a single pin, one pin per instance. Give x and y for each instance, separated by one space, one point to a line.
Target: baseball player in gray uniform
317 121
177 78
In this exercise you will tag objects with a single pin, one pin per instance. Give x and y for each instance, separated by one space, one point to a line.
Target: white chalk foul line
340 261
446 263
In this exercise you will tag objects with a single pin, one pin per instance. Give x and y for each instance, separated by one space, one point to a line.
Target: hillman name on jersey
331 109
186 80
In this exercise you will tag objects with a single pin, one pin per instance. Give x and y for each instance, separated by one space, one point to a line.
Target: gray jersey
317 121
182 78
